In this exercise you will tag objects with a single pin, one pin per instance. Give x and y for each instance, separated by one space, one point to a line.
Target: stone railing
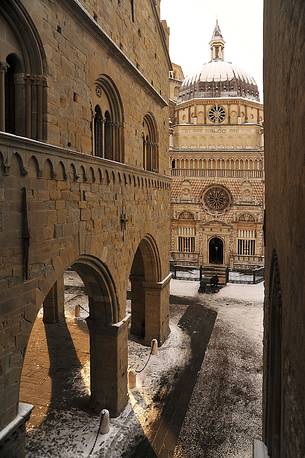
185 258
43 160
247 259
217 173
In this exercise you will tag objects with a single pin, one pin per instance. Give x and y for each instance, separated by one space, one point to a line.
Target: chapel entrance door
216 251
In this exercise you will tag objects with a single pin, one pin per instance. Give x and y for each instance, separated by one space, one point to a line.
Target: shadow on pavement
198 321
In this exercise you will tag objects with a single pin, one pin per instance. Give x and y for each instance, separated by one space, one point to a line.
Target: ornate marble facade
217 168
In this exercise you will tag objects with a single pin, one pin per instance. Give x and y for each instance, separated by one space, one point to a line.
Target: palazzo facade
217 165
83 184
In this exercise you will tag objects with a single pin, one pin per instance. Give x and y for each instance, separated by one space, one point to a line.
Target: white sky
192 23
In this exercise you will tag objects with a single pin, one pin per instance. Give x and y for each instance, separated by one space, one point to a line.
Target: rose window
217 114
217 198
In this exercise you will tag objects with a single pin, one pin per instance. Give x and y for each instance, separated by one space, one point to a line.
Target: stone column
3 69
53 306
137 306
108 365
39 108
19 81
157 311
28 106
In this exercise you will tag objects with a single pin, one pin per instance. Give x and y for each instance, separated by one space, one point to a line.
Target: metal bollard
132 379
154 347
105 422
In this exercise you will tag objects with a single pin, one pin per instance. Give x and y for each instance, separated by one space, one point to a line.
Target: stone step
211 270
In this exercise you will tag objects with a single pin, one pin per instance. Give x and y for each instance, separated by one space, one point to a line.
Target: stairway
213 269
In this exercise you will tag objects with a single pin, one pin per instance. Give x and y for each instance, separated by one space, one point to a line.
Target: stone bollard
132 379
77 311
105 422
154 347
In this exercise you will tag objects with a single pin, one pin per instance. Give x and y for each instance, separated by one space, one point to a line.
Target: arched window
10 98
109 129
150 144
98 132
109 153
23 87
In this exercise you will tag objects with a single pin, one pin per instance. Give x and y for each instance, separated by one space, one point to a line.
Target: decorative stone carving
217 114
186 215
246 217
217 198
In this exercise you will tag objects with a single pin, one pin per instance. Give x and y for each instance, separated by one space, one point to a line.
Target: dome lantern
217 44
218 78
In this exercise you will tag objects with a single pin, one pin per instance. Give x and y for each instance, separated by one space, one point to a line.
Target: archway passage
216 251
80 352
149 300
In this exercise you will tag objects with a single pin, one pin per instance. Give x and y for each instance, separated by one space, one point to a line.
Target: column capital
4 66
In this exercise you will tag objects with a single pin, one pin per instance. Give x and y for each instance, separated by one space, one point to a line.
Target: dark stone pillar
53 306
108 365
137 306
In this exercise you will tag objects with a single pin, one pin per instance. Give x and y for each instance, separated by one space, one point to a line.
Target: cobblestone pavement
214 410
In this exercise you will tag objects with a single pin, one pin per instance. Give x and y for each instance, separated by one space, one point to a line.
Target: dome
219 78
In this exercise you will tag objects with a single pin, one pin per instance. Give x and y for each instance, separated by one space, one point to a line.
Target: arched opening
10 93
98 132
273 413
108 137
150 144
216 251
23 86
145 297
111 144
67 364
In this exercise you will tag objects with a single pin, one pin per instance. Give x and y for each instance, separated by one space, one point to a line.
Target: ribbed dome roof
219 71
219 78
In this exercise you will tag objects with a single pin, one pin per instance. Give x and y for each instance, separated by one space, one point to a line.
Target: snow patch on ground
71 433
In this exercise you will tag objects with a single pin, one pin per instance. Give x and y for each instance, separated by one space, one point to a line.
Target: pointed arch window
109 153
150 144
23 86
109 125
98 132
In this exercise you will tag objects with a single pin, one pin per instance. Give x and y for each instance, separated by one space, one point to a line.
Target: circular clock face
217 199
217 114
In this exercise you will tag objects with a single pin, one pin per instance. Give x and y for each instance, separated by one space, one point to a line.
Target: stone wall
284 70
60 207
77 52
73 207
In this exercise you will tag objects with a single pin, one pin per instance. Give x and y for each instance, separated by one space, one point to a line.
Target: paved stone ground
217 401
213 408
55 351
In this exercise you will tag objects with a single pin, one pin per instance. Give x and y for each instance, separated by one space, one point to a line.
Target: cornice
217 100
78 10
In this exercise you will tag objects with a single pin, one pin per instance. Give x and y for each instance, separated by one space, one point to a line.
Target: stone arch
49 169
34 167
27 66
83 174
112 122
273 396
73 172
150 138
108 379
146 292
61 173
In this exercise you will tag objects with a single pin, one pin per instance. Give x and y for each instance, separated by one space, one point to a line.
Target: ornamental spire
217 44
